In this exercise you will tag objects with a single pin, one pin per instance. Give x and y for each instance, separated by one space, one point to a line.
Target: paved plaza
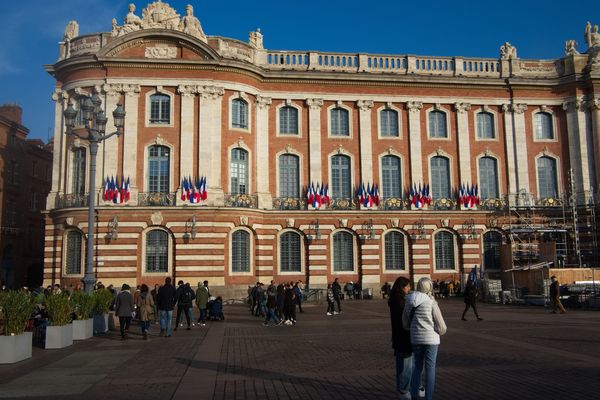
516 352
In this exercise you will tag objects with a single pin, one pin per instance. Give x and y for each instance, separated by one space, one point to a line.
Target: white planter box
15 348
83 329
58 337
100 323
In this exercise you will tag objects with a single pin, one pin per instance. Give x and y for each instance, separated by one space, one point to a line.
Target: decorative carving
519 108
414 106
545 150
339 103
439 151
389 104
445 222
390 150
506 108
59 95
191 25
508 51
240 142
343 222
571 48
437 106
161 51
131 23
76 143
244 221
69 221
486 108
210 92
592 38
594 104
364 105
71 30
545 108
263 102
288 148
462 108
289 222
187 90
288 102
156 218
314 104
159 140
395 222
131 89
112 89
340 149
255 39
573 105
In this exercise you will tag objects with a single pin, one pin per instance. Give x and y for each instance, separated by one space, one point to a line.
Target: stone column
186 145
414 134
59 149
130 139
464 143
108 156
209 142
521 155
594 105
578 147
366 147
265 199
511 171
314 139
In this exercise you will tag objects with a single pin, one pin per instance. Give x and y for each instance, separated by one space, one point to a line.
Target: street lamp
94 124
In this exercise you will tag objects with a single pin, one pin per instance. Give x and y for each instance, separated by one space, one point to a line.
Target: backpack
186 296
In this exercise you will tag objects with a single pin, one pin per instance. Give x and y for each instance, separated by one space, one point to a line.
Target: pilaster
209 141
511 168
578 145
414 134
108 164
59 150
521 155
464 143
265 199
594 106
366 146
314 138
186 149
130 138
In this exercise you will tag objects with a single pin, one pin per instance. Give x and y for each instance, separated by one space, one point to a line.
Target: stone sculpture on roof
191 25
255 39
508 51
71 30
592 38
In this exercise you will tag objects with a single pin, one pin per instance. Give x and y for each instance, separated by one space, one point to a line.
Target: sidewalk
516 352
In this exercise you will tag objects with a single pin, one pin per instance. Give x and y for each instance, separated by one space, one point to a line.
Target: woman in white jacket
423 318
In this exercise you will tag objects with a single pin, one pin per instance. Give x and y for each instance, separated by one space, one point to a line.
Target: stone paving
515 352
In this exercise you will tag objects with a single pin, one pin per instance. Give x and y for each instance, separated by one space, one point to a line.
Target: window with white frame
543 126
388 120
547 177
289 176
391 177
444 250
290 252
159 164
238 170
341 185
73 260
157 251
239 113
440 177
340 124
343 252
160 109
288 120
79 172
492 242
437 124
485 125
394 251
488 178
240 251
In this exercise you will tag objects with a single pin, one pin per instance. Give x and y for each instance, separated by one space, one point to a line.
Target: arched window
437 124
73 265
542 123
388 119
485 126
547 180
159 164
157 251
444 250
239 171
289 176
394 251
240 251
160 109
288 120
340 177
289 252
488 178
492 242
440 177
79 173
239 114
391 177
340 125
343 252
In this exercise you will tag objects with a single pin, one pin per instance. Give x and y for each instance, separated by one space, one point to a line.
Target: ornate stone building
258 126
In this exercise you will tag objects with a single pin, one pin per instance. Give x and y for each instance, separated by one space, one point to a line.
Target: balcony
444 204
72 200
343 204
493 204
157 199
241 200
289 203
394 203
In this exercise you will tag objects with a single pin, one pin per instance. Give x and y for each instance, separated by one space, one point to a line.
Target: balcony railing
241 200
395 203
493 204
72 200
444 204
343 204
156 199
289 203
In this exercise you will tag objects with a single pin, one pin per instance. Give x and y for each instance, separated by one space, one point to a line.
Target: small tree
16 308
102 300
82 304
59 309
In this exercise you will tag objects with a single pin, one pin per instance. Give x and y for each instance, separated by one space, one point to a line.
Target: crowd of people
276 303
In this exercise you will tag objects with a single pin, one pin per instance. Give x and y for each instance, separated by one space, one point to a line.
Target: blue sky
31 30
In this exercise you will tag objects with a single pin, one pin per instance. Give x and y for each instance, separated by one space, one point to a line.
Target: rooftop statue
255 39
72 30
571 48
191 25
592 37
508 51
131 23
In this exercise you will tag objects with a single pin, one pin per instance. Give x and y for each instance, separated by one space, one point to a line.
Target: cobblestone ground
515 352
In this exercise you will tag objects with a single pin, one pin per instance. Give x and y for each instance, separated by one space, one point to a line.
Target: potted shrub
15 311
59 333
82 304
102 301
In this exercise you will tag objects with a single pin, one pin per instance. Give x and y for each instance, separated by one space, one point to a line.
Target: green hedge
15 308
82 304
59 309
102 300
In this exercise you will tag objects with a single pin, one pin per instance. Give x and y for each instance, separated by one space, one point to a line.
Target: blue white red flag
360 194
127 190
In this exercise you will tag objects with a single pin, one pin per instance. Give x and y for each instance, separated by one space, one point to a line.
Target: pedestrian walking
555 296
154 294
423 318
202 296
401 337
298 296
145 307
330 300
337 294
166 304
272 306
185 297
471 299
124 307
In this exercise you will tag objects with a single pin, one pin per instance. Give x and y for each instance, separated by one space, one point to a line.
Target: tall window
340 125
389 123
340 177
289 179
79 118
488 178
437 124
239 114
547 179
343 252
444 250
240 251
288 120
74 259
440 177
159 165
485 126
160 109
394 251
79 164
239 171
392 183
492 242
542 123
289 252
157 251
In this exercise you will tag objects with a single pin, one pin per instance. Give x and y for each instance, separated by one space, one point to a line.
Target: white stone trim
159 90
159 142
240 95
559 185
446 111
495 117
78 144
344 152
389 106
299 108
547 110
440 153
288 151
340 104
498 171
240 144
393 153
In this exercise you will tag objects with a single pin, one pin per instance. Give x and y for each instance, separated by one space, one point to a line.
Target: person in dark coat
337 294
124 307
401 337
185 297
471 299
166 304
555 296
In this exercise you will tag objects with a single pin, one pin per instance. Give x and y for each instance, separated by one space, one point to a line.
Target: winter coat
124 304
202 297
427 323
400 336
470 294
337 289
166 298
145 306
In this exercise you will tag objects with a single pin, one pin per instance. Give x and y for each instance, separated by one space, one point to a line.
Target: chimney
12 112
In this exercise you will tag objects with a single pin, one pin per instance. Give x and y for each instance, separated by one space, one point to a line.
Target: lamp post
94 125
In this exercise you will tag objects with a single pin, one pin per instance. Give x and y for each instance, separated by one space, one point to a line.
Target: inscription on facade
161 52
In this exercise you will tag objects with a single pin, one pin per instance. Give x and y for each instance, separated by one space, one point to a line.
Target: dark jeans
202 315
339 304
330 306
471 304
185 309
124 323
145 326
